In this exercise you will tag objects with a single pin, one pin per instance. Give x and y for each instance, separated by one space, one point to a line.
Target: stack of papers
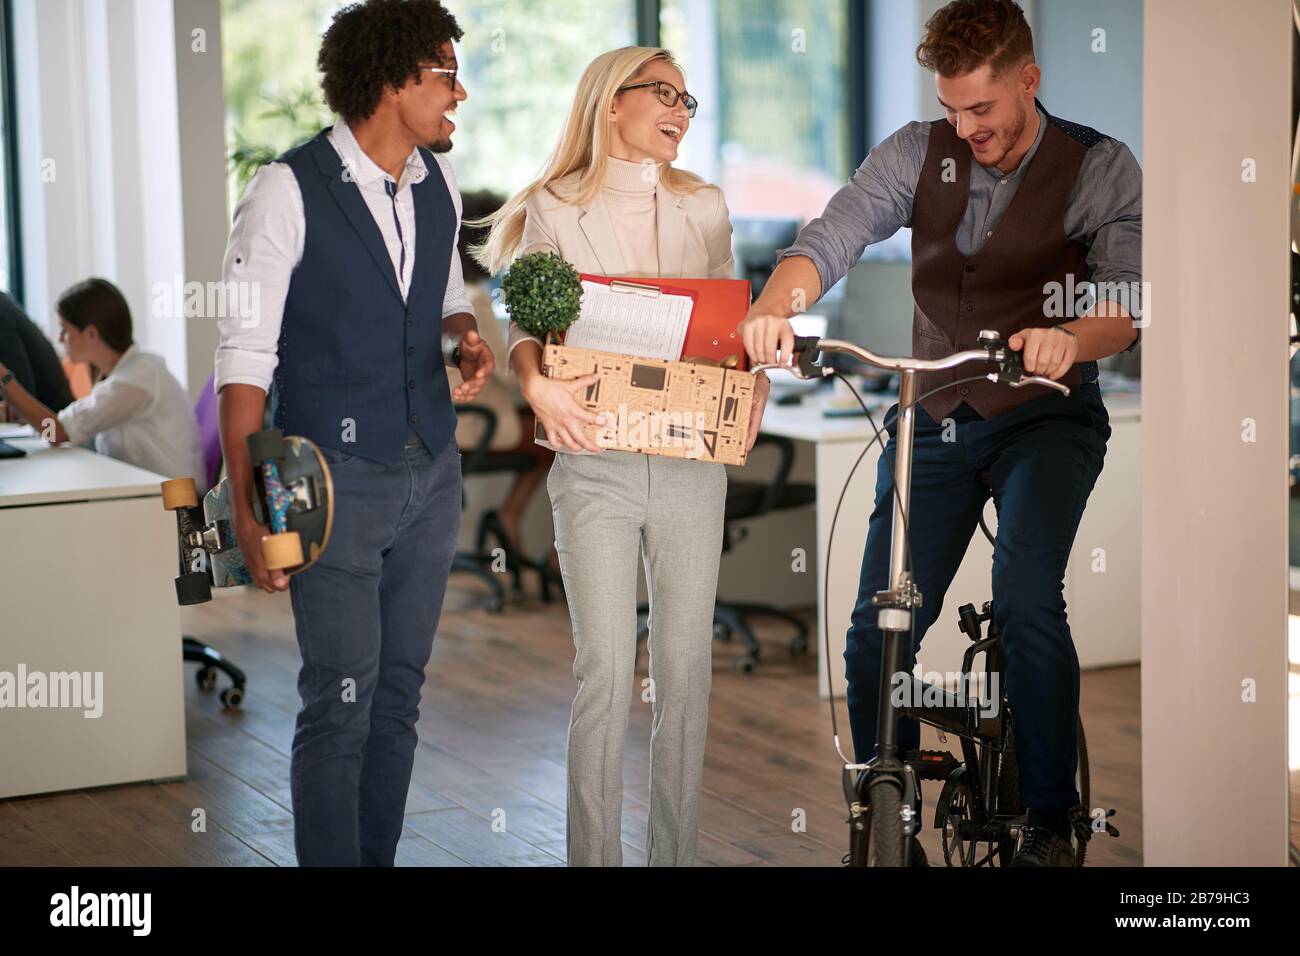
631 321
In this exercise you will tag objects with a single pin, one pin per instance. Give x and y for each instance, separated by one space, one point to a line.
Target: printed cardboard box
676 409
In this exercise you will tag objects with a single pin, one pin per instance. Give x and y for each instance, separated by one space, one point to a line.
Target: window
273 95
520 61
771 78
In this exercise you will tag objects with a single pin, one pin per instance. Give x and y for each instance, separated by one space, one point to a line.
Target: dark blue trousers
1043 458
365 616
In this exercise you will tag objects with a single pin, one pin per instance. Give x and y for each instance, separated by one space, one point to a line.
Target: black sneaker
1042 847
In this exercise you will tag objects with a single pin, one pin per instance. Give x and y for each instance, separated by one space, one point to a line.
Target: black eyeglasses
450 74
668 95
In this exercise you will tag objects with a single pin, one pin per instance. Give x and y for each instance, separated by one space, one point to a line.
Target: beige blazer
694 235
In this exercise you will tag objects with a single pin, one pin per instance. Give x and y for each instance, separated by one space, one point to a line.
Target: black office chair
481 461
746 500
751 499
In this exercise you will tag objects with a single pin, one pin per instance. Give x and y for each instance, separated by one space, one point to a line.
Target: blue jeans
1043 458
365 616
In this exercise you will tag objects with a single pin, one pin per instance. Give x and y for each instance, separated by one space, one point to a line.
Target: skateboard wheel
193 588
266 445
282 550
179 493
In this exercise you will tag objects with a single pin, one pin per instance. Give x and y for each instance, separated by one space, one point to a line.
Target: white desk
1103 605
86 585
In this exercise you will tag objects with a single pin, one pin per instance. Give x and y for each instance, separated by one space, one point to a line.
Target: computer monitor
755 241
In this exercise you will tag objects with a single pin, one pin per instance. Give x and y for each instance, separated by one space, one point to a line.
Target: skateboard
295 499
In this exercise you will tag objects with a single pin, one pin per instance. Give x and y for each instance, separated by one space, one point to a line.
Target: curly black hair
378 44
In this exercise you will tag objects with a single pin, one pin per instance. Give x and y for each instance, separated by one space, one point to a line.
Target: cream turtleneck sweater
629 195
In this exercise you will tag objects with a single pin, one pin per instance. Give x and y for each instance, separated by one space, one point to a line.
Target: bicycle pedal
931 764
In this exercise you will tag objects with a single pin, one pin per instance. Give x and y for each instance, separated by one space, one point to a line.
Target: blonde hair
583 145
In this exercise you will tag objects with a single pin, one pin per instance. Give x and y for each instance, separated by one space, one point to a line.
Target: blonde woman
610 202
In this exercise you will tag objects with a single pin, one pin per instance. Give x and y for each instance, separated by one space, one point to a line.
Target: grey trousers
612 510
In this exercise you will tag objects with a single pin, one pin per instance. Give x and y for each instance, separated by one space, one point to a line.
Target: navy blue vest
359 369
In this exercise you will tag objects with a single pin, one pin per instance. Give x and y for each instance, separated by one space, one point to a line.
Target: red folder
720 305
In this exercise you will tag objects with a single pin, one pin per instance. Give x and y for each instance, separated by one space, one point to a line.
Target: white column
200 108
1215 417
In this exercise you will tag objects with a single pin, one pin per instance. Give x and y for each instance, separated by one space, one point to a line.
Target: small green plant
542 293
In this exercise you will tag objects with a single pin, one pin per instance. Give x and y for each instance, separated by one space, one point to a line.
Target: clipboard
719 306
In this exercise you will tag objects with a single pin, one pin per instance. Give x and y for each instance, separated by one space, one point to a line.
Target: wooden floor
492 738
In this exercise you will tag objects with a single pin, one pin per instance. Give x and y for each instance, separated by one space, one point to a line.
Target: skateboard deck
294 499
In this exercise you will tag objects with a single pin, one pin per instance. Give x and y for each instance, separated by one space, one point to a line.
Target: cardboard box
675 409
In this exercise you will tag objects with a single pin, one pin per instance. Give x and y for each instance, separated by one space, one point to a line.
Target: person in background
516 424
26 352
611 202
136 412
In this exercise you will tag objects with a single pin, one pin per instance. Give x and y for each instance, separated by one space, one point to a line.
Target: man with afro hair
350 241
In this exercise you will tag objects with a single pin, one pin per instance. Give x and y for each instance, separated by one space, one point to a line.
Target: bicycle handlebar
992 349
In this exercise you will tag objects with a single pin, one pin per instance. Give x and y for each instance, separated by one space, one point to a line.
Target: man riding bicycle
1005 243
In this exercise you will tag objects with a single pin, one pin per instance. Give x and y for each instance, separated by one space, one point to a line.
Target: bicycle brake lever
1030 380
795 370
805 366
1010 370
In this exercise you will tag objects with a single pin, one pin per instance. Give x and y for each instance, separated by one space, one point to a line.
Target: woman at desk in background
610 202
136 412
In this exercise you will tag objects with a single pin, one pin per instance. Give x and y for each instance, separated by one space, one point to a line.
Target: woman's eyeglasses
668 95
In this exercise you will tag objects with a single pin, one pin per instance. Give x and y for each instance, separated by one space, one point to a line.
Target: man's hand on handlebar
1048 352
764 335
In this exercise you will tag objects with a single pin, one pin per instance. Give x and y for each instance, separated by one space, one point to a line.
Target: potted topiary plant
542 293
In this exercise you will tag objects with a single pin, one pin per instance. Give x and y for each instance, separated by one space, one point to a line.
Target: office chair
746 500
192 649
481 461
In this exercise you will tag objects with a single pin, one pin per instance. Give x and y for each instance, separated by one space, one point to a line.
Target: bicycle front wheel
886 802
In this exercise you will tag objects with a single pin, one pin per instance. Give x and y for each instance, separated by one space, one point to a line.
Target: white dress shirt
266 245
140 414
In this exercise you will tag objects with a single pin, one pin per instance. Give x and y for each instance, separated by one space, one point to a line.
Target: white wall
1214 521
